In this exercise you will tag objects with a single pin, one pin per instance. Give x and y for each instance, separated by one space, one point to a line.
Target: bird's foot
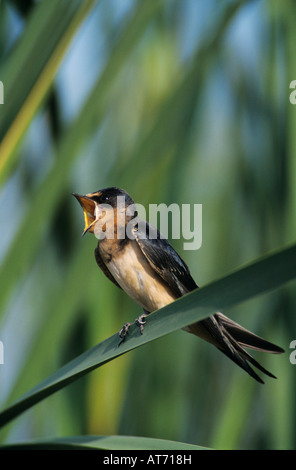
140 322
123 332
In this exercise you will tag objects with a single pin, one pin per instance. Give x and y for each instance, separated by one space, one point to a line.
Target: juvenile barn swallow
151 272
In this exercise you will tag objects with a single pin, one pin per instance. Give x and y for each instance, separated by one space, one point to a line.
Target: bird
138 259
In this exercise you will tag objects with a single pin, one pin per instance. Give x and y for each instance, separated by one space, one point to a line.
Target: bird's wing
163 258
104 268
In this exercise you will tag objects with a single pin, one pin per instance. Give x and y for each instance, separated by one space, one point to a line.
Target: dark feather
245 337
164 259
228 336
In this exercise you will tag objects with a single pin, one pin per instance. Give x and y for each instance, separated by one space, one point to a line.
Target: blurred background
176 102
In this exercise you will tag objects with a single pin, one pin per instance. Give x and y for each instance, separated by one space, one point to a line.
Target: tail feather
246 337
241 361
241 357
231 339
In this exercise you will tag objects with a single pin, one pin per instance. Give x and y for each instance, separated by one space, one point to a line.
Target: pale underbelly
136 277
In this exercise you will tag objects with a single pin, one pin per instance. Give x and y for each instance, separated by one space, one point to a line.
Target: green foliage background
175 101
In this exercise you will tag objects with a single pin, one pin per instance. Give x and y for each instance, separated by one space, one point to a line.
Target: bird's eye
104 198
100 199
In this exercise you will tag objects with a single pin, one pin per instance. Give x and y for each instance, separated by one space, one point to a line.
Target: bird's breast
138 279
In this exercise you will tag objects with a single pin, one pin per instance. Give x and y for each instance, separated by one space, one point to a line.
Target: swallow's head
105 209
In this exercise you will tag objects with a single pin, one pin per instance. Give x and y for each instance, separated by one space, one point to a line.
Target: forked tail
232 339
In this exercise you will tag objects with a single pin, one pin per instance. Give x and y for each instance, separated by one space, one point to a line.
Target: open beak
88 207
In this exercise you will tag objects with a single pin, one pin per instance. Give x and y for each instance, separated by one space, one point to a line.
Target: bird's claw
123 332
140 322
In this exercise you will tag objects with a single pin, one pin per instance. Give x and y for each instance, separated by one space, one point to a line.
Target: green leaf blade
268 273
104 443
